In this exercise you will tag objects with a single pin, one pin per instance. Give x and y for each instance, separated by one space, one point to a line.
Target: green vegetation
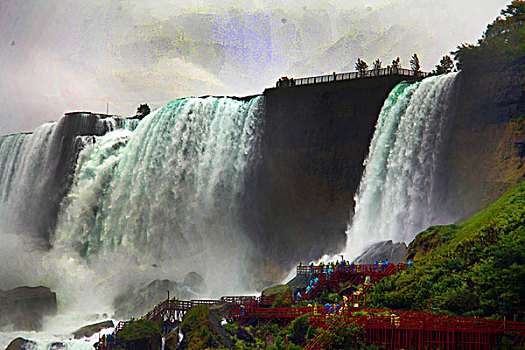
472 269
139 329
445 65
502 44
343 336
200 330
145 334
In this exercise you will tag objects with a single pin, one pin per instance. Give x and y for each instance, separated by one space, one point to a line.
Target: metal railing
351 75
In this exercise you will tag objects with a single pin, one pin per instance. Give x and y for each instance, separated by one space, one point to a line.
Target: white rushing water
153 200
397 195
24 171
163 200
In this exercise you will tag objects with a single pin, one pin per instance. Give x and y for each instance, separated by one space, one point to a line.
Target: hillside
473 269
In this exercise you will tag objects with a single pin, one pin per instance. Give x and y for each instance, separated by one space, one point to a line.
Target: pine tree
361 66
414 63
395 63
377 64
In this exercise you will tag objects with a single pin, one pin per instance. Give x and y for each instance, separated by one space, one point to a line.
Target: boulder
299 282
195 282
278 291
25 307
21 344
89 330
386 250
139 299
58 346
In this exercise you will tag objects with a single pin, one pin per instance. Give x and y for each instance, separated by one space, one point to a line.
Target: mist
75 55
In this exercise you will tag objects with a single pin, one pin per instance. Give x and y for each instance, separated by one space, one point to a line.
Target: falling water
30 174
167 194
397 196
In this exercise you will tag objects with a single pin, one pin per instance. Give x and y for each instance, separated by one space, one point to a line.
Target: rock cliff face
24 307
316 138
485 154
386 250
67 147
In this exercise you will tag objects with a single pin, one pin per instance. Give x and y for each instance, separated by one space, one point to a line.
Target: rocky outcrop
484 158
21 344
387 250
89 330
278 291
195 282
58 346
25 307
139 299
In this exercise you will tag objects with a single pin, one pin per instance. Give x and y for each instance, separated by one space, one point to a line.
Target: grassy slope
472 269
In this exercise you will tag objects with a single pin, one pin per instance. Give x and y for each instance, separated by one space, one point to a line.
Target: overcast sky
60 56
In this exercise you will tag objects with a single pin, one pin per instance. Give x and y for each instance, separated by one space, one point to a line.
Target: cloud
57 57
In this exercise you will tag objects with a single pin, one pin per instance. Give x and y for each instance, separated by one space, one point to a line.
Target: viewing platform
286 82
388 328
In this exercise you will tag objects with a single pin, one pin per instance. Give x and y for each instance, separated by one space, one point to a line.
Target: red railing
393 329
398 329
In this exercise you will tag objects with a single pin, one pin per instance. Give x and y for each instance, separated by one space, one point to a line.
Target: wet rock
195 282
138 300
299 282
89 330
21 344
29 321
58 346
278 291
24 307
387 250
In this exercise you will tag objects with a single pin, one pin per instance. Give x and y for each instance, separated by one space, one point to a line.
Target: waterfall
33 169
33 180
24 174
397 196
167 194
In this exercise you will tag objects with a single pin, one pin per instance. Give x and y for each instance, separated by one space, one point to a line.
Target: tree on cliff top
377 64
395 63
502 43
445 65
414 63
143 110
361 66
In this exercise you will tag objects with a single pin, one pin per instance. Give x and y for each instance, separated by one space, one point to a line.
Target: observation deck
408 73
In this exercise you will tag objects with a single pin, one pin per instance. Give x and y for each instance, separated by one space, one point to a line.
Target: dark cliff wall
316 138
485 154
61 167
